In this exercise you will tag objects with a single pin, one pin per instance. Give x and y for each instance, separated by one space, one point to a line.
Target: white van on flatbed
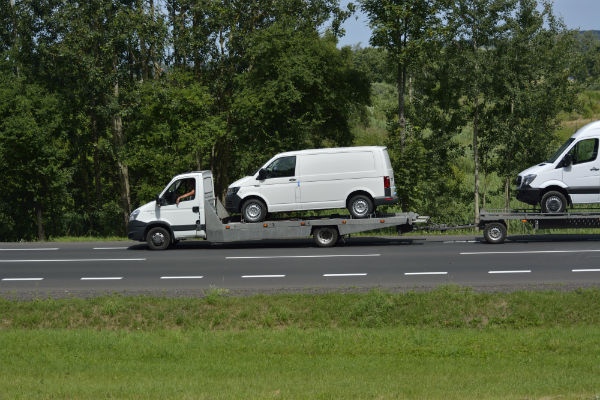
571 176
356 178
187 209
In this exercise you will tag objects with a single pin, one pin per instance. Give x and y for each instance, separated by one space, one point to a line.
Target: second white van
356 178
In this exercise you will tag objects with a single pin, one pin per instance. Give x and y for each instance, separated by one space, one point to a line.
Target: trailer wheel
553 202
158 238
494 232
325 236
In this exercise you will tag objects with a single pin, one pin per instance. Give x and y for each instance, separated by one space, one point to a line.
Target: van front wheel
553 202
360 206
254 210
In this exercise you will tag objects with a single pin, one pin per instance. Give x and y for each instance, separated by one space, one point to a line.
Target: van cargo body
187 208
357 178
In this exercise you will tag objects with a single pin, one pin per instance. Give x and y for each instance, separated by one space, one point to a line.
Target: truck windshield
560 151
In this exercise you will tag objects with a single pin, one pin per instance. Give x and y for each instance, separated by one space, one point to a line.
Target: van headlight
528 179
134 215
233 190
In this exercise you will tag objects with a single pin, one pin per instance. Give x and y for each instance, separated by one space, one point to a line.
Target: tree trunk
476 159
118 142
507 194
40 225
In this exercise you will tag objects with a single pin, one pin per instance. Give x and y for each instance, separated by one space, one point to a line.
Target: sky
576 14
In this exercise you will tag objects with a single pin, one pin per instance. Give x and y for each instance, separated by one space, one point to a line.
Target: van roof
591 129
333 150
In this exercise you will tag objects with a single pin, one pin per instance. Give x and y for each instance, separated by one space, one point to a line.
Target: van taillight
386 182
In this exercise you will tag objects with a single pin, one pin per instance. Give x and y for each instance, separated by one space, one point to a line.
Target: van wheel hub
360 207
553 204
253 210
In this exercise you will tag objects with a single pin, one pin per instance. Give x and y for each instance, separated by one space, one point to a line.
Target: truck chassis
494 225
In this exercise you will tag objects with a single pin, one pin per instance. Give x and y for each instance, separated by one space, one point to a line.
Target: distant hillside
595 32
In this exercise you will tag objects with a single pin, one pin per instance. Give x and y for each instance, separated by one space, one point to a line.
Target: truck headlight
134 215
232 190
528 179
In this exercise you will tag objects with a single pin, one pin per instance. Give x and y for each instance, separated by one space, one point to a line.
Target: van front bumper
529 195
135 230
233 203
385 200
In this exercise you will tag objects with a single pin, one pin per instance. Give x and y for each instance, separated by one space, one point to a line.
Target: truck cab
176 213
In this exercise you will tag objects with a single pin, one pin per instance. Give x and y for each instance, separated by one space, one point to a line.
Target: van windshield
560 151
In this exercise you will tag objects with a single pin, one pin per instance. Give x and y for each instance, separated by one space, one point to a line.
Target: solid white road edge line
529 252
101 278
357 274
22 279
76 260
523 271
586 270
32 249
320 256
111 248
263 276
426 273
181 277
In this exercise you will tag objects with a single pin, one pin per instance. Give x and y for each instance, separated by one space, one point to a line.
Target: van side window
282 167
585 151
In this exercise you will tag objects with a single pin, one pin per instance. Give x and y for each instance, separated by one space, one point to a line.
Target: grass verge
449 343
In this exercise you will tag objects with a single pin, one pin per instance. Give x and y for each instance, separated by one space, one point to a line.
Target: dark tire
494 232
254 210
360 206
553 202
325 236
158 238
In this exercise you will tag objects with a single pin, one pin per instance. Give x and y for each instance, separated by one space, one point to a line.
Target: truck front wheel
158 238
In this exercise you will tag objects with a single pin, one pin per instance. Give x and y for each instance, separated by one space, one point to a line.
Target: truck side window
585 151
179 188
282 167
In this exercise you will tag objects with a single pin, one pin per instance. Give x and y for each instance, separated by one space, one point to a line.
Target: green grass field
449 343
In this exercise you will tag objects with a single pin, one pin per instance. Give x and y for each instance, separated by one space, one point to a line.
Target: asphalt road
399 263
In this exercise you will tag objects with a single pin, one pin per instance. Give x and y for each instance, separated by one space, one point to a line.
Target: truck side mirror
566 161
262 174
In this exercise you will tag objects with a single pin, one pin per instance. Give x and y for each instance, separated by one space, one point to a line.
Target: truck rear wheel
158 238
494 232
325 236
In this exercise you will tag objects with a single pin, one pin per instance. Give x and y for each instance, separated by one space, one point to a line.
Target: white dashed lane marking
101 278
32 249
111 248
319 256
522 271
22 279
426 273
181 277
586 270
74 260
263 276
528 252
355 274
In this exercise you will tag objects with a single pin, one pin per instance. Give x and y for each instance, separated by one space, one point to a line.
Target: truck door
181 207
583 176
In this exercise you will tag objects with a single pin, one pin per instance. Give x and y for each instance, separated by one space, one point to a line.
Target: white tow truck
187 208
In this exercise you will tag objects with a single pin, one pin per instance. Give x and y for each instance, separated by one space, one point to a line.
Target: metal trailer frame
493 222
326 230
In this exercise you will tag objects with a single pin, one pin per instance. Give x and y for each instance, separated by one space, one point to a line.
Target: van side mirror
566 161
160 201
262 174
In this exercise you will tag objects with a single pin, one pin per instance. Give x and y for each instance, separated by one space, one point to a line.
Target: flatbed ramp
325 230
494 222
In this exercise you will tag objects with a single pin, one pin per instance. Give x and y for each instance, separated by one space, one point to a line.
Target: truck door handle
292 179
594 169
196 209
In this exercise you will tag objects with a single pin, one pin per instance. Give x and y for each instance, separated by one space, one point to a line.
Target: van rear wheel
360 206
254 210
553 202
